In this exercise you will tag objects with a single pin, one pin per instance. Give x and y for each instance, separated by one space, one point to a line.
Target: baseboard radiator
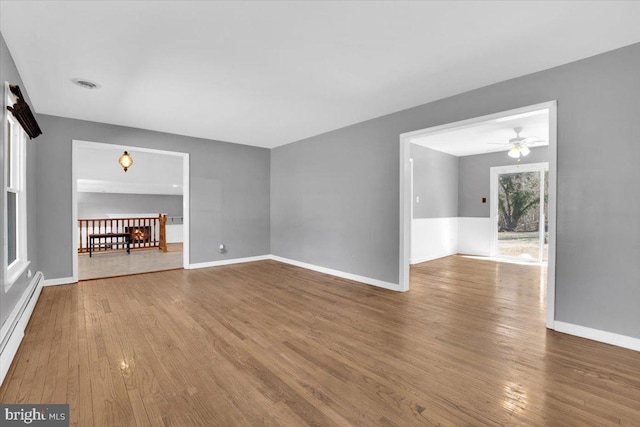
13 328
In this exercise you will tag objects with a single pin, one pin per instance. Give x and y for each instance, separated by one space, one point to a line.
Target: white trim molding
59 281
228 262
338 273
325 270
419 260
13 328
598 335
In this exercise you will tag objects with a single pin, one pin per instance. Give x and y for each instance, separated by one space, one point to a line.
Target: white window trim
13 271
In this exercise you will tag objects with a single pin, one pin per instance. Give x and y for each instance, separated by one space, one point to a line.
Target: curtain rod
23 114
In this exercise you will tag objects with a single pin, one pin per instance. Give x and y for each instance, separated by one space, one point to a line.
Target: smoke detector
86 84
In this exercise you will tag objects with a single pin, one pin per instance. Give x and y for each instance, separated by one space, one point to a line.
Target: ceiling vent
87 84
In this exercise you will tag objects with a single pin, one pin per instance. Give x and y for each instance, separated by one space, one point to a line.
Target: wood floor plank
267 343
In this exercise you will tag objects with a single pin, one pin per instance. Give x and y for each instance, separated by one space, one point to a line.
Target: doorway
520 211
406 197
134 217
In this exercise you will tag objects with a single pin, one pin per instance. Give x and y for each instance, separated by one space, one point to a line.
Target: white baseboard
338 273
228 262
60 281
598 335
429 258
14 326
344 275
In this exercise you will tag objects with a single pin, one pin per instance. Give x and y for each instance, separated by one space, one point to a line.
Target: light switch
417 199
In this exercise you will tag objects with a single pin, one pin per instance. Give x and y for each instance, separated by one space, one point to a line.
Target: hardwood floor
119 263
266 343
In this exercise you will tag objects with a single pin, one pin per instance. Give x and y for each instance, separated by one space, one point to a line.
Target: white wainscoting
433 238
475 236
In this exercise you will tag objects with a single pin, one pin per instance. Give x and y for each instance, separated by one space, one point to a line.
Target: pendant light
125 161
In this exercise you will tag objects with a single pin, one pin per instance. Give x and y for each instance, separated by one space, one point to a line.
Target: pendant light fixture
125 161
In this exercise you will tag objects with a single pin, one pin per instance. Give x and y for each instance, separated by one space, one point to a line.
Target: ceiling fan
519 144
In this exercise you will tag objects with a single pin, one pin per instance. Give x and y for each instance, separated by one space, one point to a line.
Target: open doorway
466 224
128 221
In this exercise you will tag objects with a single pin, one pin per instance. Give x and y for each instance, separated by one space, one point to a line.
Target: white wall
174 233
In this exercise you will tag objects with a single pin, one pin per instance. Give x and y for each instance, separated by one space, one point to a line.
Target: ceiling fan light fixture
524 150
514 153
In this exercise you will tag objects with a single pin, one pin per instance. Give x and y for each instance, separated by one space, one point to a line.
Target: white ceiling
269 73
490 136
98 171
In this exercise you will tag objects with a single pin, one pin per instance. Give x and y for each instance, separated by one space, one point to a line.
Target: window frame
14 181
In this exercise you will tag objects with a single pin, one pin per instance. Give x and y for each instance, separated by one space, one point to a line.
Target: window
15 215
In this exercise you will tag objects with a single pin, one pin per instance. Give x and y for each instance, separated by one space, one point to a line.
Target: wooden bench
110 236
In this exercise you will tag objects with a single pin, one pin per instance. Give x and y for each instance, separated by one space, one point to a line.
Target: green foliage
519 192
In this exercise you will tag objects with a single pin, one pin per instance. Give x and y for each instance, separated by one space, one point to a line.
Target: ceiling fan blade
499 143
533 139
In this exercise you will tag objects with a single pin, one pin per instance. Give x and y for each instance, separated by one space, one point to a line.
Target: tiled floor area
109 264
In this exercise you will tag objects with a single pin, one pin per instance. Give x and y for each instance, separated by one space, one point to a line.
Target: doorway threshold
507 260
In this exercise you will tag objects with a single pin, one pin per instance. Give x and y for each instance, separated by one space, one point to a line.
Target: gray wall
435 182
335 197
9 299
98 205
229 191
334 201
474 182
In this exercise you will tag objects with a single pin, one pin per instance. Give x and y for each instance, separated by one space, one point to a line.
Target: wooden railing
144 233
163 233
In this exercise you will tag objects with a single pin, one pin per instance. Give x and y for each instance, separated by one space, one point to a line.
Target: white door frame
495 172
406 202
76 144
